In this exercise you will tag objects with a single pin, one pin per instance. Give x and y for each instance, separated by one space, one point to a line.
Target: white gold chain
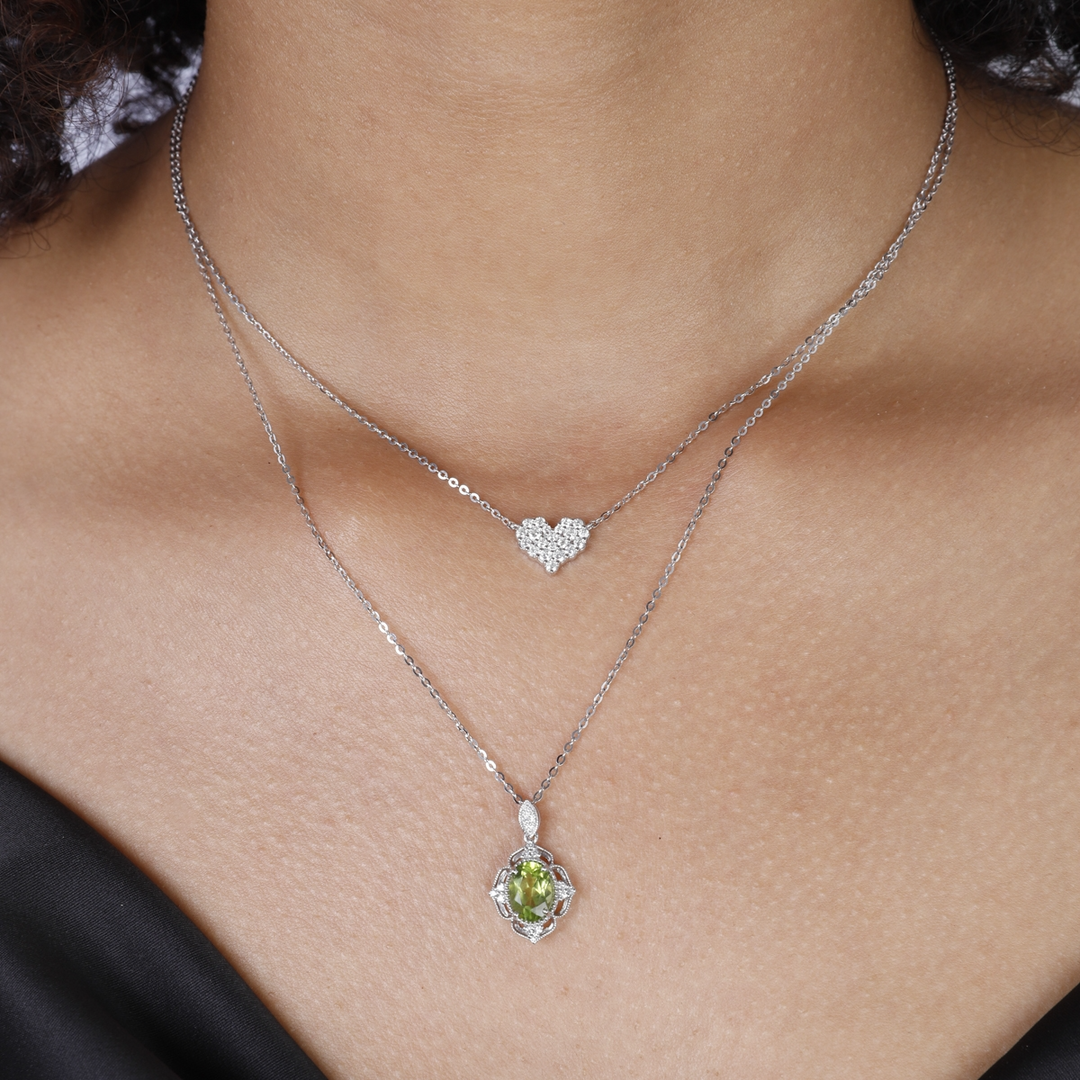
930 185
788 368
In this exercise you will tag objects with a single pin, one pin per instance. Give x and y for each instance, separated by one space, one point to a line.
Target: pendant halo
532 891
562 893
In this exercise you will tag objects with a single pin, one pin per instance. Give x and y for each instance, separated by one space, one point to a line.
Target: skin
826 823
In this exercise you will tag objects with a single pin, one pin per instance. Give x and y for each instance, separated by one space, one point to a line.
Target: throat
492 221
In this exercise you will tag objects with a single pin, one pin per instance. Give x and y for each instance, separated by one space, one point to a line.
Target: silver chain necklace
553 545
532 891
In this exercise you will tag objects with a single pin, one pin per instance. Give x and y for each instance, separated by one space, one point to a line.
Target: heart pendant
551 546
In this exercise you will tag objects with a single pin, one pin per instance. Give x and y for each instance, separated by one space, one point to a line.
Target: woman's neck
527 210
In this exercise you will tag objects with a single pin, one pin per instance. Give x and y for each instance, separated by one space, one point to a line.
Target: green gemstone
531 892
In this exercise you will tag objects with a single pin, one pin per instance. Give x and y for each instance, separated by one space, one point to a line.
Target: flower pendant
532 891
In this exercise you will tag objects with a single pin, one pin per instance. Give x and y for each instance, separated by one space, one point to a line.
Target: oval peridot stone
531 891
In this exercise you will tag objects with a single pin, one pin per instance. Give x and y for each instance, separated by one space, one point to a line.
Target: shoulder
989 289
84 296
107 221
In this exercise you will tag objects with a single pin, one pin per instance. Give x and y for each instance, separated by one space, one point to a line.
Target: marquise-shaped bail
529 820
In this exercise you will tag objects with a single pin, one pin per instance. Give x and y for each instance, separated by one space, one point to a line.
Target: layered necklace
532 891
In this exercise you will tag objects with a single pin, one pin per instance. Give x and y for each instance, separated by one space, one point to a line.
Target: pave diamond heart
552 547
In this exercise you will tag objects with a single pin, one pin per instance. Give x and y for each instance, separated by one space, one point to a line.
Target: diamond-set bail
529 820
532 891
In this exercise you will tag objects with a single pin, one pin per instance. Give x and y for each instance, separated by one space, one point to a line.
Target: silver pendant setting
552 546
532 891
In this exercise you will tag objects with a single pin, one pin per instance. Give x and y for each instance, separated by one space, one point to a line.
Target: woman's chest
825 820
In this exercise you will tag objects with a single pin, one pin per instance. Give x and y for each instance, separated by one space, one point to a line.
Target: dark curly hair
58 59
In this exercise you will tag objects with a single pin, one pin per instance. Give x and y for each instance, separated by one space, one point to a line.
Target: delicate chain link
790 367
933 180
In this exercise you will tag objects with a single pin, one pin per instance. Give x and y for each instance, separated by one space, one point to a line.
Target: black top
102 977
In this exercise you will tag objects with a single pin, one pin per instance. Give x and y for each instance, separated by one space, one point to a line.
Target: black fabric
1049 1051
102 977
